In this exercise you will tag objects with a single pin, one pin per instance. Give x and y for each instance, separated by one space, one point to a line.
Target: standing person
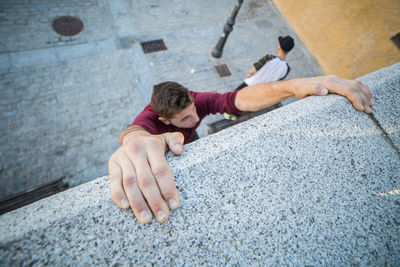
140 177
269 68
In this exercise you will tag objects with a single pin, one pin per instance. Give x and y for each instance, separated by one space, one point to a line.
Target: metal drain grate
25 198
153 46
223 70
67 26
396 40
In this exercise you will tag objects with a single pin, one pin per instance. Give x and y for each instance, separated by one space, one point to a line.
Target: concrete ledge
312 183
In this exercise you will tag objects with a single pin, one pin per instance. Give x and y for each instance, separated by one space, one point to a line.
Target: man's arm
256 97
259 64
251 72
140 177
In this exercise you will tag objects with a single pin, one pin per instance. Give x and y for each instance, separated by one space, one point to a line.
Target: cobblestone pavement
64 100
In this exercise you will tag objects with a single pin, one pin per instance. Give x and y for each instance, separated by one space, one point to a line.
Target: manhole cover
67 26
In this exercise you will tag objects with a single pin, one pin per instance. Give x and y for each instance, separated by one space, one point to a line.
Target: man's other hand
140 177
251 72
356 92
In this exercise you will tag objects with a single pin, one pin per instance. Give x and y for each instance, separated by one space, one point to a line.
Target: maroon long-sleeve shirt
206 103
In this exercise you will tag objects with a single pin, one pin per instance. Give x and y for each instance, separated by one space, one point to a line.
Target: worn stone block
32 58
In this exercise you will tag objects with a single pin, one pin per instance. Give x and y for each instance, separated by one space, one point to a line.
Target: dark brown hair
170 98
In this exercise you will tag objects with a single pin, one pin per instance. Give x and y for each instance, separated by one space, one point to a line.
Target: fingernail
161 215
173 204
368 110
372 102
125 204
177 147
324 91
144 215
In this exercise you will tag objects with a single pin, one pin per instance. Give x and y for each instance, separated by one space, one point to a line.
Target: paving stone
76 51
122 14
4 62
31 58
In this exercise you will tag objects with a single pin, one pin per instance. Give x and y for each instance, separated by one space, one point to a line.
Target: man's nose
195 118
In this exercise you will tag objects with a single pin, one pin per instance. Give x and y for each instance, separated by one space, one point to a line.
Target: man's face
187 118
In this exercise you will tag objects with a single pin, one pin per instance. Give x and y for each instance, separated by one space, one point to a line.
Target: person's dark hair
170 98
286 43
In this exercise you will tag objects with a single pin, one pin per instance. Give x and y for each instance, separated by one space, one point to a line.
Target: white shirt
272 71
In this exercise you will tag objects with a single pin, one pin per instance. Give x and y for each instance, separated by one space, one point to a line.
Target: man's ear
164 120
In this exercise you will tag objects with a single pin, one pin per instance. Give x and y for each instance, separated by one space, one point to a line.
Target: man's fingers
366 91
117 193
174 142
359 101
366 101
141 178
356 100
362 96
132 191
124 189
145 179
151 191
163 175
369 101
320 90
358 93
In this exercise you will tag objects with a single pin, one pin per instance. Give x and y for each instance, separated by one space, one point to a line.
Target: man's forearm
253 98
259 96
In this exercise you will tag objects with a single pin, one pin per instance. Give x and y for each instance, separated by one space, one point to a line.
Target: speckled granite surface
312 183
387 110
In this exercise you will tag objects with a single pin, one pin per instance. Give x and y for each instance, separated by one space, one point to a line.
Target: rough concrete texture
348 38
65 100
387 110
311 183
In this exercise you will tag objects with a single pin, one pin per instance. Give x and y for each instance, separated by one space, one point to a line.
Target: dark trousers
243 85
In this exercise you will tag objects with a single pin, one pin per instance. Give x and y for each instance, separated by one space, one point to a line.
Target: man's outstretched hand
140 177
355 91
